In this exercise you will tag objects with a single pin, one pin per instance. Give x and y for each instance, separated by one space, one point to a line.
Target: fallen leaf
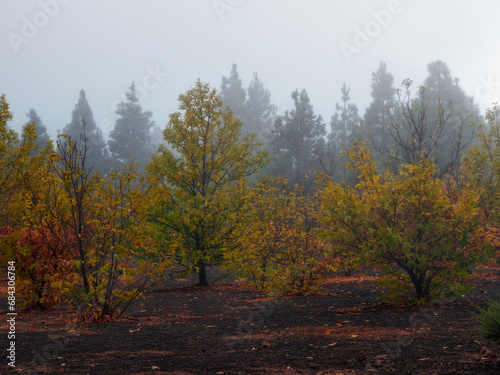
424 359
156 368
354 336
332 344
134 330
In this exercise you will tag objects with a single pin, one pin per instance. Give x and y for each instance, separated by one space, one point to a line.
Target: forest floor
230 329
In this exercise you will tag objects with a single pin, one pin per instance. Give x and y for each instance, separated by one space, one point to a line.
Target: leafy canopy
198 176
424 231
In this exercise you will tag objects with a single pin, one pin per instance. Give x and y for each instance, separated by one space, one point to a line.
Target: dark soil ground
230 329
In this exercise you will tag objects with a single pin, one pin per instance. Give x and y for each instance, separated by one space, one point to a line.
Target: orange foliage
42 265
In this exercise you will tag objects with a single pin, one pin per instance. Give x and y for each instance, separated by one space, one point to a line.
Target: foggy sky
50 49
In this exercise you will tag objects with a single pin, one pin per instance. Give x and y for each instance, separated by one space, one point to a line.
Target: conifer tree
345 126
260 112
377 116
40 129
234 94
295 139
97 154
346 120
131 136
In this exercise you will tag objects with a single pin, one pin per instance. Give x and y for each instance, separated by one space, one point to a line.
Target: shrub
42 266
424 231
489 319
277 243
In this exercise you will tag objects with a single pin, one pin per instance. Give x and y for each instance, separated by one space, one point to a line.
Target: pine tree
377 116
346 120
131 136
40 129
97 157
260 112
295 137
345 125
234 94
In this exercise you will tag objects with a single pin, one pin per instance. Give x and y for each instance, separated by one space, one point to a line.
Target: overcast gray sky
50 49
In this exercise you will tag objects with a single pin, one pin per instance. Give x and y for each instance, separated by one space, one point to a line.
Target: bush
42 266
277 244
425 232
489 319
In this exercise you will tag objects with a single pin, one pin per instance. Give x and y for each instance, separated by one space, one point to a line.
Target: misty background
50 50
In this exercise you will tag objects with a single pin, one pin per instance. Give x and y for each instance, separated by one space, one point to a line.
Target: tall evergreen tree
40 128
377 118
346 120
97 156
345 125
156 138
131 135
234 94
295 138
260 112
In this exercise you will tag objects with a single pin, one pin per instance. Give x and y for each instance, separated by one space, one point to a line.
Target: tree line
411 188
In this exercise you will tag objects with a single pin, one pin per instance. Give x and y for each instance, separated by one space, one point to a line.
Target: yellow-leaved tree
276 244
424 232
198 178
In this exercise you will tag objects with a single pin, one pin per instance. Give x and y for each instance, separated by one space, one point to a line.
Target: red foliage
42 265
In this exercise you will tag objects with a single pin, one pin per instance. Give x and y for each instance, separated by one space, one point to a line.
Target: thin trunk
202 273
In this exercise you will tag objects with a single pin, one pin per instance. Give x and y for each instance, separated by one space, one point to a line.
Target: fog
50 49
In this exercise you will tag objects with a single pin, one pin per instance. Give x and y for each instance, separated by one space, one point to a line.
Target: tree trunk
83 273
202 274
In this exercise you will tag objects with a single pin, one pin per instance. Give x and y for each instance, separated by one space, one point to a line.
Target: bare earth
230 329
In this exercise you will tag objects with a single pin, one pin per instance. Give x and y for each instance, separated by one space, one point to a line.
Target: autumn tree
198 177
276 244
41 263
423 231
481 166
81 234
14 152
